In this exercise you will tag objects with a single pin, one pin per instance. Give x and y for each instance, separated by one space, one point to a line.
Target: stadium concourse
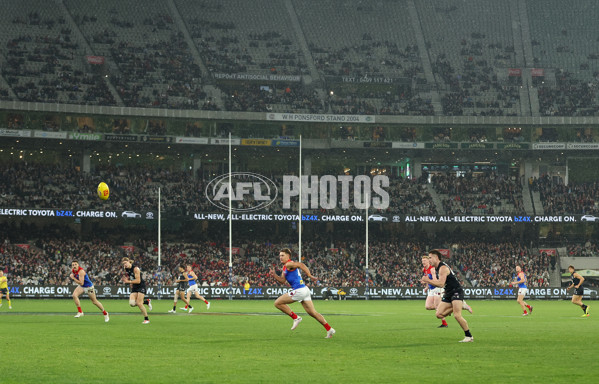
406 58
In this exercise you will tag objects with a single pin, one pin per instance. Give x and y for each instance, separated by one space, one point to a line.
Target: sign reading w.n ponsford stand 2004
321 118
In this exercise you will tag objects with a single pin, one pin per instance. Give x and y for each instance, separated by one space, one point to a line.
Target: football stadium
337 191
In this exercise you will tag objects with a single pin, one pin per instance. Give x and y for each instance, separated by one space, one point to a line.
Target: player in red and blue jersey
191 278
299 291
522 290
79 275
434 294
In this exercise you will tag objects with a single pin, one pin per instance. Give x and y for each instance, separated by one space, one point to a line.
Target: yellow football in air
103 191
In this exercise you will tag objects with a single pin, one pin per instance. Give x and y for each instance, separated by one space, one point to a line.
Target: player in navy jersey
577 281
180 290
300 292
453 298
521 281
433 297
79 276
138 287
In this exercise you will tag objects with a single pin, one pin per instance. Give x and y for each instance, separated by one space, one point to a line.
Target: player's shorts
449 296
579 291
301 294
89 290
436 292
4 291
193 288
522 291
138 288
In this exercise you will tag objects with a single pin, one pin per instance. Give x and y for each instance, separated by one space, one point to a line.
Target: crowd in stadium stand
475 87
135 188
487 264
398 63
42 64
292 98
588 249
43 186
574 198
571 97
479 194
584 136
148 66
410 196
152 62
46 260
51 186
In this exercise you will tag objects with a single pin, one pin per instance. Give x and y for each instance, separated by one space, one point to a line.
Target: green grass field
250 342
